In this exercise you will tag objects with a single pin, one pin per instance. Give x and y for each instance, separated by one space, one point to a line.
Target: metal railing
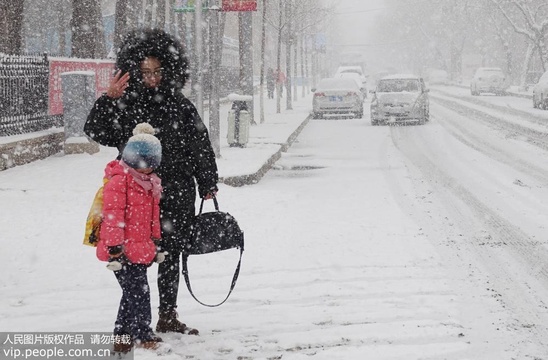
24 94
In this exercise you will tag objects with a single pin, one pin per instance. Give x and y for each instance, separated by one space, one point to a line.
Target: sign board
239 5
188 5
103 73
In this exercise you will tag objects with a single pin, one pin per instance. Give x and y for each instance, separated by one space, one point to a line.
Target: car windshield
338 84
398 85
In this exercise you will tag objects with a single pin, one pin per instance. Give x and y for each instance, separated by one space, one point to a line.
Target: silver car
400 98
337 96
488 80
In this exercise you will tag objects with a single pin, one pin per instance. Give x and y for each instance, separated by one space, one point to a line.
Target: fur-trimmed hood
142 43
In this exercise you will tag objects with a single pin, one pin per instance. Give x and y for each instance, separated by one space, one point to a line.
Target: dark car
400 98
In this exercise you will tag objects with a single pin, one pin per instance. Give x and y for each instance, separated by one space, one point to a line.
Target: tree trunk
263 50
148 20
88 39
216 56
120 22
295 67
543 53
11 23
527 63
288 82
246 58
279 57
306 66
303 61
161 14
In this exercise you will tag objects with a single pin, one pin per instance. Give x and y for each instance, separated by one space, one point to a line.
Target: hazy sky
354 18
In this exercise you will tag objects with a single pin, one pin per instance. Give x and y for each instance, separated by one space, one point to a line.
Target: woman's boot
168 323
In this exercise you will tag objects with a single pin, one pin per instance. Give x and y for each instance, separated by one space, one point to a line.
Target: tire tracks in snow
530 128
514 264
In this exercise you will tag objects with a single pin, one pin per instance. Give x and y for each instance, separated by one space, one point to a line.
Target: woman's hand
210 195
118 85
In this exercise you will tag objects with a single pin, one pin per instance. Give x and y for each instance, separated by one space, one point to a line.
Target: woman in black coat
147 87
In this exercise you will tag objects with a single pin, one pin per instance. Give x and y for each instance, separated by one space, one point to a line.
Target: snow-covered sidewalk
240 166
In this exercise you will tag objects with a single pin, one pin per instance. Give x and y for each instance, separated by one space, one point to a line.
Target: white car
358 79
337 96
540 92
400 98
488 80
350 70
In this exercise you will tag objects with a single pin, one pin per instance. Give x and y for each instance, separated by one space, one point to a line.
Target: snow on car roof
350 68
337 83
400 76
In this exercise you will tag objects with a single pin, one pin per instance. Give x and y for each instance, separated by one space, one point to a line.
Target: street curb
249 179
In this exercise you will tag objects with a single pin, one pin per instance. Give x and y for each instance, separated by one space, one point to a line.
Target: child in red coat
130 234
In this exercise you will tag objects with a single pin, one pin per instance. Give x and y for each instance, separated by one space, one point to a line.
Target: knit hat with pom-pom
143 150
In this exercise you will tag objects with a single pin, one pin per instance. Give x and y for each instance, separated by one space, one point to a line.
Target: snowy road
364 242
486 169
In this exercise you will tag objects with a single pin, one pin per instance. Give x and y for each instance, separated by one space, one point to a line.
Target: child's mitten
116 258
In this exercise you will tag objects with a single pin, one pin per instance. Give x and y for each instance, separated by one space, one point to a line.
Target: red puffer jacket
131 217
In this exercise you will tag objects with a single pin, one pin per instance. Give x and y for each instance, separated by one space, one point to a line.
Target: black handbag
212 232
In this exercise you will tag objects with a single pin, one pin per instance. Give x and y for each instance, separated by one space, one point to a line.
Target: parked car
360 80
400 98
337 96
354 71
488 80
540 92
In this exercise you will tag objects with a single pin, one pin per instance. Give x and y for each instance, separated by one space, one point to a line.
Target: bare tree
306 15
63 19
529 18
416 42
88 40
11 23
280 27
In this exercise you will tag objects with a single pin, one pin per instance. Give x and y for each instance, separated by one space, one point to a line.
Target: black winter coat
187 155
186 150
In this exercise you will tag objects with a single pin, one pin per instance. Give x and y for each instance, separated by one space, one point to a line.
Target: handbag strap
234 278
214 201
